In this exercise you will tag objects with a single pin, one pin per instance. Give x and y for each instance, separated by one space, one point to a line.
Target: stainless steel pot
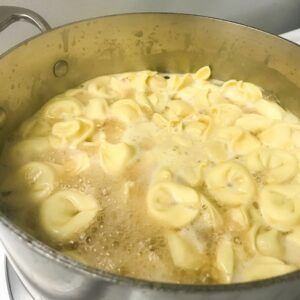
62 58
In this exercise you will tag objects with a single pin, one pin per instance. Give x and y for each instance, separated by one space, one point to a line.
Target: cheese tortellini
190 179
67 213
230 184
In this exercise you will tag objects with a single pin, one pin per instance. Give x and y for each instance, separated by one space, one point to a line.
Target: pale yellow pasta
238 218
225 114
277 136
28 150
165 177
96 109
292 247
71 132
253 123
269 109
34 180
280 206
184 252
230 184
275 166
125 110
62 109
262 267
67 213
225 258
172 204
241 93
268 242
115 157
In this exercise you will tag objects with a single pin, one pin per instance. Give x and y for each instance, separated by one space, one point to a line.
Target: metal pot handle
11 14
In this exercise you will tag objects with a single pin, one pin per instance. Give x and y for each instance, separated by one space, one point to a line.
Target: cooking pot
62 58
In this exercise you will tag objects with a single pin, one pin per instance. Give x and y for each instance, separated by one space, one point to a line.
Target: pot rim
46 251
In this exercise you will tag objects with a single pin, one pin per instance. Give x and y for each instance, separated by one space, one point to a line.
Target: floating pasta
253 123
173 205
292 246
177 110
237 219
114 158
225 114
277 136
262 267
35 127
125 110
184 252
241 93
269 109
34 180
65 214
62 109
274 166
96 109
230 184
225 258
28 150
71 132
280 206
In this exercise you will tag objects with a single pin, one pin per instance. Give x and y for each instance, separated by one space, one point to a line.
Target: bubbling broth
177 178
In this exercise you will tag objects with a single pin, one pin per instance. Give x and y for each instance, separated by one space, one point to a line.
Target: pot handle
11 14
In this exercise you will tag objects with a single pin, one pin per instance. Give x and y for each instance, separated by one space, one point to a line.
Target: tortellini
62 109
125 110
71 132
173 205
225 258
114 158
276 165
198 178
185 254
280 206
292 246
28 150
34 180
230 184
240 93
67 213
262 267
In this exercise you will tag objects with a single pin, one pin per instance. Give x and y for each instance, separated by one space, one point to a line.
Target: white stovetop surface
293 35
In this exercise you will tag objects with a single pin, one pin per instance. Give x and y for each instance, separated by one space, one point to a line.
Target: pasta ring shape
177 110
277 165
225 114
35 179
114 158
173 205
62 109
28 150
277 136
73 132
184 253
254 123
125 110
269 109
230 184
240 93
96 109
280 206
67 213
35 127
262 267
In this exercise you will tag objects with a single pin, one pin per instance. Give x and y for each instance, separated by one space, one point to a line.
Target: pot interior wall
163 42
